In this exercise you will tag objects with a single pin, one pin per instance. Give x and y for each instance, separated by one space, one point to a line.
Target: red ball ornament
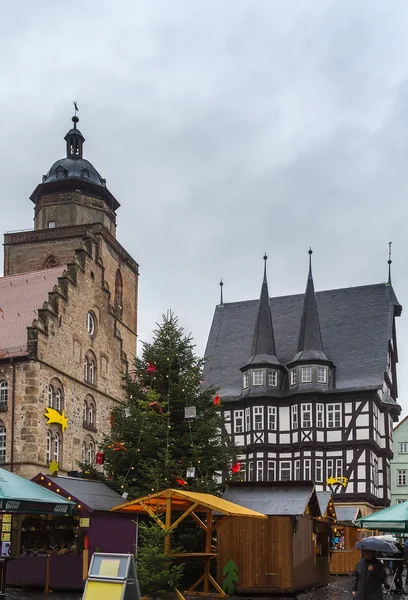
236 467
181 482
150 368
217 400
99 458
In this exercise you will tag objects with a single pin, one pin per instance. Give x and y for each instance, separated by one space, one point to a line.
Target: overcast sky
224 129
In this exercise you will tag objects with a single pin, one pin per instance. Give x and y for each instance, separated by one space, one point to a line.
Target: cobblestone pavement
339 588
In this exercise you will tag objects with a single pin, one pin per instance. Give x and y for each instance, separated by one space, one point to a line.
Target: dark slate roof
263 343
273 499
356 326
310 345
347 514
95 494
75 168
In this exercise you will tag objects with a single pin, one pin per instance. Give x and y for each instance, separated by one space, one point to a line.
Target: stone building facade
68 310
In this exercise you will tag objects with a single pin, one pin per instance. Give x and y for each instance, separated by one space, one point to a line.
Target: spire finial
389 262
265 259
310 252
75 119
222 297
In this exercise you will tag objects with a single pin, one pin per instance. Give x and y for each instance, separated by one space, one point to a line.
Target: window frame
247 419
3 443
4 393
259 470
50 396
320 415
48 447
319 470
403 445
91 452
306 408
294 417
259 424
297 471
401 477
322 370
289 469
245 381
307 469
272 418
273 378
58 399
92 372
293 377
306 369
330 466
258 373
331 411
271 470
56 450
236 417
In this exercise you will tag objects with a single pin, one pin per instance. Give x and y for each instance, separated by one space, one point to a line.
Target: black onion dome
74 168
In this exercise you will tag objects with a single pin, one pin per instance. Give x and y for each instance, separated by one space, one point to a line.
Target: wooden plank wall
308 571
261 549
344 562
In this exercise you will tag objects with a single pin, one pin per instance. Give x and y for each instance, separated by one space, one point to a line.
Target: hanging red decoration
217 400
236 467
150 368
155 406
112 419
99 458
117 446
181 482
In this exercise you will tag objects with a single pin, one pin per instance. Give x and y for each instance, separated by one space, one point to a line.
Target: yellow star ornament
54 416
54 467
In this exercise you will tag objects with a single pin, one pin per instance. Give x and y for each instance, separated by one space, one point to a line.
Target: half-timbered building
308 386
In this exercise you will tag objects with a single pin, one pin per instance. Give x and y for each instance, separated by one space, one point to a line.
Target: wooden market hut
327 507
345 535
171 507
55 551
287 553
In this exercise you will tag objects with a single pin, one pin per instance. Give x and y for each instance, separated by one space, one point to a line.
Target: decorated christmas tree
169 432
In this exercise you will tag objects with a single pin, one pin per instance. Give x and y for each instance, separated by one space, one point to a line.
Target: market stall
58 547
287 553
345 535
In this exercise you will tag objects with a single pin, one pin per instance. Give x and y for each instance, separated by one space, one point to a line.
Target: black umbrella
377 545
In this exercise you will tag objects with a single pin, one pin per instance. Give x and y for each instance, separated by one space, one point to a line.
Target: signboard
84 522
112 577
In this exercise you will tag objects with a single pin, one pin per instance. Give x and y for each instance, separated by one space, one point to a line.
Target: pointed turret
310 346
263 344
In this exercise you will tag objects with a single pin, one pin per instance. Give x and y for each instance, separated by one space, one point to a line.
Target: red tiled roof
20 298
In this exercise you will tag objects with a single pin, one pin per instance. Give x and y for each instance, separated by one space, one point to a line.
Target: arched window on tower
118 291
49 443
83 452
3 394
91 452
50 262
57 447
85 413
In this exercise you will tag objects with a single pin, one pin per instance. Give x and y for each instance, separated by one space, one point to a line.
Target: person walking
369 577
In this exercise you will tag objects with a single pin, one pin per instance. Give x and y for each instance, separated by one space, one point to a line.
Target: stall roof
95 495
348 514
182 500
391 519
21 495
274 499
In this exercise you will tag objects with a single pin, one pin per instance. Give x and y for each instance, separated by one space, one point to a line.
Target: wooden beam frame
153 515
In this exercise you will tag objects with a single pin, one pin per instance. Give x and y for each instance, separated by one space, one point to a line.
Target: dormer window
84 172
273 378
306 374
246 380
293 377
257 377
321 374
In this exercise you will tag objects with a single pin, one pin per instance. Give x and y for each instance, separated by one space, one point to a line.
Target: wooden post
85 563
168 525
208 536
47 574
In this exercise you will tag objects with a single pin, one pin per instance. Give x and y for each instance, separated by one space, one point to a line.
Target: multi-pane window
50 393
85 369
293 377
285 470
3 394
91 371
320 415
375 478
2 444
294 412
306 416
58 399
402 476
307 469
85 412
319 470
271 470
245 379
83 452
272 418
248 420
91 414
49 442
329 468
259 470
403 448
258 417
339 467
401 500
57 444
239 421
306 374
333 415
273 378
91 452
257 377
250 470
297 470
321 374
